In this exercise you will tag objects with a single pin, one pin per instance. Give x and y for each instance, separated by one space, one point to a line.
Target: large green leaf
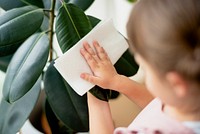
47 3
4 62
57 127
16 25
14 115
9 4
93 20
38 3
69 107
25 67
71 25
82 4
59 3
45 24
51 118
126 65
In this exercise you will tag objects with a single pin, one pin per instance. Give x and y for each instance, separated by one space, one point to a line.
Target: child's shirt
152 120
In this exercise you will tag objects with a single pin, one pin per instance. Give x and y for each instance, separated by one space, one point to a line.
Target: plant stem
51 24
47 10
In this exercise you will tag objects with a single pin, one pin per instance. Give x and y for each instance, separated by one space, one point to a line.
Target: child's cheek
150 83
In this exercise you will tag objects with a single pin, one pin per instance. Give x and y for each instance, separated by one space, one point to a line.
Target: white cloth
71 64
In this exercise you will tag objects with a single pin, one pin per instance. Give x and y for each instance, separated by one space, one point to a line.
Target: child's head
166 34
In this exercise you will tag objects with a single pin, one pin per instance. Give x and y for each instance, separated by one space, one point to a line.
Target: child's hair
166 33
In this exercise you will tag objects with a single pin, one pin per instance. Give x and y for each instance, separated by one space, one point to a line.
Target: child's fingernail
82 75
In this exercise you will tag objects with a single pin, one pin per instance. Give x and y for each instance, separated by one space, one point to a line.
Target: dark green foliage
65 102
15 27
4 62
38 3
14 115
10 4
71 25
29 59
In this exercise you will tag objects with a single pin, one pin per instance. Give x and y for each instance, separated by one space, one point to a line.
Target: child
165 39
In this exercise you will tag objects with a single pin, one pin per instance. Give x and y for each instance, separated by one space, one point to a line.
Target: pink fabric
152 120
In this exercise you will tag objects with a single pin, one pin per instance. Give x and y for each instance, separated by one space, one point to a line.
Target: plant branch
51 32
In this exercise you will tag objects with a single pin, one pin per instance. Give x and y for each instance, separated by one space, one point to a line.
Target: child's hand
104 72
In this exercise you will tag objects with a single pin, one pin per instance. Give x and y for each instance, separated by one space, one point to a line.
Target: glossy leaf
51 118
8 50
38 3
57 127
71 25
68 106
10 4
4 62
126 65
82 4
93 20
14 115
45 24
47 3
59 3
16 25
26 66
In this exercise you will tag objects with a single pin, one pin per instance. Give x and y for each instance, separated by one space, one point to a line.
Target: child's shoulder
152 120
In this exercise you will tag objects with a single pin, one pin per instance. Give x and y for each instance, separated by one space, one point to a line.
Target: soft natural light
118 10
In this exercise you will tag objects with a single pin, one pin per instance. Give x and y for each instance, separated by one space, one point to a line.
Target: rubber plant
27 56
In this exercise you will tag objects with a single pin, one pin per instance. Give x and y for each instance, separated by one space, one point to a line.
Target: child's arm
133 90
105 75
100 118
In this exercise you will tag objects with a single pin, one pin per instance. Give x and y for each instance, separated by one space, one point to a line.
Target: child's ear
177 83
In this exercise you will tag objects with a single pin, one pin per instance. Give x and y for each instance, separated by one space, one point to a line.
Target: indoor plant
26 45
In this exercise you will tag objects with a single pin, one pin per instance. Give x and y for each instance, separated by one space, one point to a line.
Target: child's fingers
89 59
88 48
90 78
100 51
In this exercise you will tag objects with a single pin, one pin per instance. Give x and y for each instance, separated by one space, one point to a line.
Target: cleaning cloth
71 64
